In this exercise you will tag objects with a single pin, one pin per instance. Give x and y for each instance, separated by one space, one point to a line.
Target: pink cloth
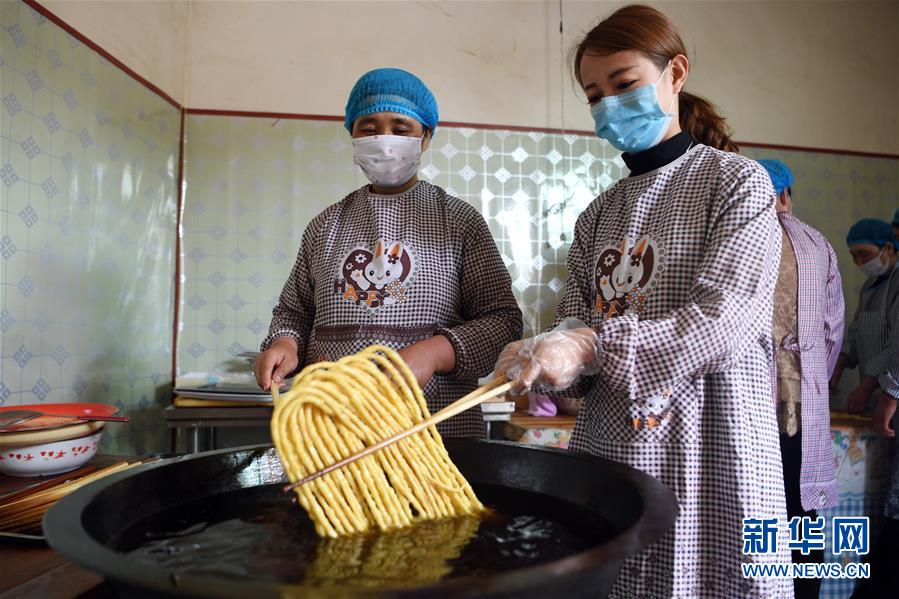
541 405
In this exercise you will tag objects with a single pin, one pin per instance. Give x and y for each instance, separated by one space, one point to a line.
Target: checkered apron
821 315
873 329
675 269
396 270
872 326
891 499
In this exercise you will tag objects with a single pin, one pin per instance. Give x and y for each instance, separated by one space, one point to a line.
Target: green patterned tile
252 185
834 191
530 183
91 216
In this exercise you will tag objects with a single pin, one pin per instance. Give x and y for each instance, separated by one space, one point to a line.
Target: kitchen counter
548 431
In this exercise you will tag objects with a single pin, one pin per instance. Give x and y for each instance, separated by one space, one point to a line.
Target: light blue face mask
633 121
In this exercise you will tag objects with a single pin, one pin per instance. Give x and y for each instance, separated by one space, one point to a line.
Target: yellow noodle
396 559
335 409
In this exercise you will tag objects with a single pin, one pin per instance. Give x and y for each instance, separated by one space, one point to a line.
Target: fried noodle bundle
336 409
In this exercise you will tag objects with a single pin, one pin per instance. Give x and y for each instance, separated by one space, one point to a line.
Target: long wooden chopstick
59 479
25 513
481 394
60 490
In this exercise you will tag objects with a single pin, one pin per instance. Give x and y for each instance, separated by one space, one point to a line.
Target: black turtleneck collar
660 155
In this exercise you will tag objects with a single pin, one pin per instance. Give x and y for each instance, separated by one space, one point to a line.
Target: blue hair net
873 231
391 90
781 176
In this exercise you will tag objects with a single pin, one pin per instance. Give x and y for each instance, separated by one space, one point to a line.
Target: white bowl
48 435
49 458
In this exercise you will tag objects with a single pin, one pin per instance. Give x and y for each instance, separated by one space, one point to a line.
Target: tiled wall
833 191
254 183
88 164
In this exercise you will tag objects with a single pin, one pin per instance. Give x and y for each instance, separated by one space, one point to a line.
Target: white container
49 458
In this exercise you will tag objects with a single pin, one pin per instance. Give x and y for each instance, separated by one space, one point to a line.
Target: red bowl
61 409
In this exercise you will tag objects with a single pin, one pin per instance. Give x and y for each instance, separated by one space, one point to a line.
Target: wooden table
201 422
38 572
42 573
551 431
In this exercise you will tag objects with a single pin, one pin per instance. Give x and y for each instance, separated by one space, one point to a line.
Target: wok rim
66 534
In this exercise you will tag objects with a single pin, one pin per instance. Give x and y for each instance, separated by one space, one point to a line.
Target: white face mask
875 266
388 160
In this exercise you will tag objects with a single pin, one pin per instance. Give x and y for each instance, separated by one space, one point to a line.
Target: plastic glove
510 358
552 360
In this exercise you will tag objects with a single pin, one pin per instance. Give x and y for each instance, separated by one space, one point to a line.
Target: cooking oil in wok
258 533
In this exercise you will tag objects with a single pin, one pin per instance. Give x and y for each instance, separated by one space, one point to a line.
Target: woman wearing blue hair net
868 343
398 262
872 344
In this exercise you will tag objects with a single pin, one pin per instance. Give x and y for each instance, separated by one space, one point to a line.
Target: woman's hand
883 415
511 359
553 360
429 357
276 362
858 399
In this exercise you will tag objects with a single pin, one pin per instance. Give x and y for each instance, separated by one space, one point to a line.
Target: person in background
873 249
808 330
398 262
667 316
876 349
895 224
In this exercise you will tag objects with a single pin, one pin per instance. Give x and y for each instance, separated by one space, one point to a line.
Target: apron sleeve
294 313
488 306
834 311
880 363
889 379
850 343
729 307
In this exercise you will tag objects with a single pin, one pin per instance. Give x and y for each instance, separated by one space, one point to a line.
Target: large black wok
628 510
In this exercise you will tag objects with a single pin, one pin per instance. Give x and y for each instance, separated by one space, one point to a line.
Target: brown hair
647 30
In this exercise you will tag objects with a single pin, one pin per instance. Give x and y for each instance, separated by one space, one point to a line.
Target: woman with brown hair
666 319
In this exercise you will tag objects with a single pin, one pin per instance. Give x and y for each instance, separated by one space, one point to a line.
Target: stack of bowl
60 440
